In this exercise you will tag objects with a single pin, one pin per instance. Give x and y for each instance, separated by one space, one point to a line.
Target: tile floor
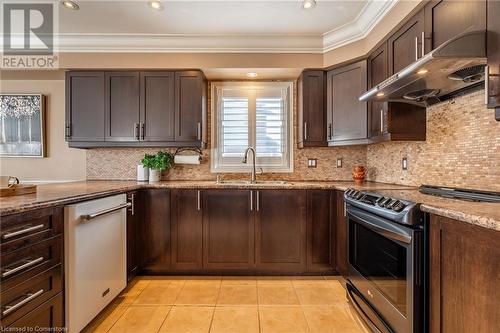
229 304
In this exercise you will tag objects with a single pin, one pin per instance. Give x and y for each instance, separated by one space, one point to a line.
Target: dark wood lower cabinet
228 230
340 235
187 230
155 246
464 277
320 223
134 233
47 316
280 230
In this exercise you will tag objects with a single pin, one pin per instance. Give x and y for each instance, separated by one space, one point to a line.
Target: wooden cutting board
18 189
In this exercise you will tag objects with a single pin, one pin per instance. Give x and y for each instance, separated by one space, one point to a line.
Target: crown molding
357 29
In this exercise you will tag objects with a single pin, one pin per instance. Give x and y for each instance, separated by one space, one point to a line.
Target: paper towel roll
187 159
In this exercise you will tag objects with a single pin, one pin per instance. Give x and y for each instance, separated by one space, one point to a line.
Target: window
256 114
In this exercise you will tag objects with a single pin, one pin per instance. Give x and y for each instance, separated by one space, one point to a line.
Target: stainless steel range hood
455 65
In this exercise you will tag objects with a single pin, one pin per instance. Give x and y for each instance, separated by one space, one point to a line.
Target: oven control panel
395 209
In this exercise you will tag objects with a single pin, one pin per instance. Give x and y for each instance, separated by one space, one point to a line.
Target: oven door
381 258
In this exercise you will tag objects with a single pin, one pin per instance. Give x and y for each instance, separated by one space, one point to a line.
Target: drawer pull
10 308
22 231
88 217
10 271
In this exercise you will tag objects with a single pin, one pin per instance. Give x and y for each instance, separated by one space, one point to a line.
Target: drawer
20 230
48 317
24 263
25 297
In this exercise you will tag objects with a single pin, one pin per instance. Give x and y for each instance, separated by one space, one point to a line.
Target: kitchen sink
258 182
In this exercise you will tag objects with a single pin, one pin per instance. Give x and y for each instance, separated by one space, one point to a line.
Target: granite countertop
479 213
484 214
65 193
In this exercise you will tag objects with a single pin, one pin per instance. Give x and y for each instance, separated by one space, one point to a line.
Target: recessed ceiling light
380 94
156 4
422 71
252 75
70 4
308 4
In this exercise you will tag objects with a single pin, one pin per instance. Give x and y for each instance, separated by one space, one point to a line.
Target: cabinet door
189 106
445 19
187 227
464 277
377 72
320 220
228 229
85 106
312 115
340 235
493 52
280 220
405 45
157 106
49 316
156 231
348 115
122 106
134 224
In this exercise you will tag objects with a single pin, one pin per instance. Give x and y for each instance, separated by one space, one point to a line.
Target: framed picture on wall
22 125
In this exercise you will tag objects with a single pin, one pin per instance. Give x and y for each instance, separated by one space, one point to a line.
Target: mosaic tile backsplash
462 150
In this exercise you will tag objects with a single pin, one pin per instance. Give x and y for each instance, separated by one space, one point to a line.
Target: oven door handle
382 227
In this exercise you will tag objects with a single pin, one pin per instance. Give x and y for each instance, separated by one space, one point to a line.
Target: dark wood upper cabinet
463 277
377 72
312 129
493 54
320 223
186 229
280 224
405 45
228 230
122 104
445 19
157 106
190 91
155 248
341 265
347 116
85 106
136 109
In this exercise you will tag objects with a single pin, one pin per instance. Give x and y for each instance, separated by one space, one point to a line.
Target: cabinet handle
67 132
423 43
198 204
416 48
10 308
88 217
305 130
251 200
345 209
136 131
330 131
257 200
143 130
198 133
486 83
382 120
132 202
22 231
10 271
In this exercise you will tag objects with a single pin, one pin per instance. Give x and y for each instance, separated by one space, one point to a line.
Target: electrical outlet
404 163
339 163
312 162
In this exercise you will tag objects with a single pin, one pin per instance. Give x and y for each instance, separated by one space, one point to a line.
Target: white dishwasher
95 249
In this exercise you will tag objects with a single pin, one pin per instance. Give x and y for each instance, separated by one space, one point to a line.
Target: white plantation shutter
252 114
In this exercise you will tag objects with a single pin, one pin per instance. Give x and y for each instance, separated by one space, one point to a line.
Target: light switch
404 163
311 162
339 163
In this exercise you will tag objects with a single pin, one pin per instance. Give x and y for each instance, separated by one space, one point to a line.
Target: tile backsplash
462 150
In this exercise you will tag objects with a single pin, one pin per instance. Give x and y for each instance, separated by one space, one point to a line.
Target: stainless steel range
386 250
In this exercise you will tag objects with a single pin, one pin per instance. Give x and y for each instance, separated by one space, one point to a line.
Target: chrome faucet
245 158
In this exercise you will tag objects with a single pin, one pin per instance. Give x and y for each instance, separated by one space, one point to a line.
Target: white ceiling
208 17
217 26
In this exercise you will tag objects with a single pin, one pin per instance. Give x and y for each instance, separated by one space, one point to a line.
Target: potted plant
161 161
143 168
